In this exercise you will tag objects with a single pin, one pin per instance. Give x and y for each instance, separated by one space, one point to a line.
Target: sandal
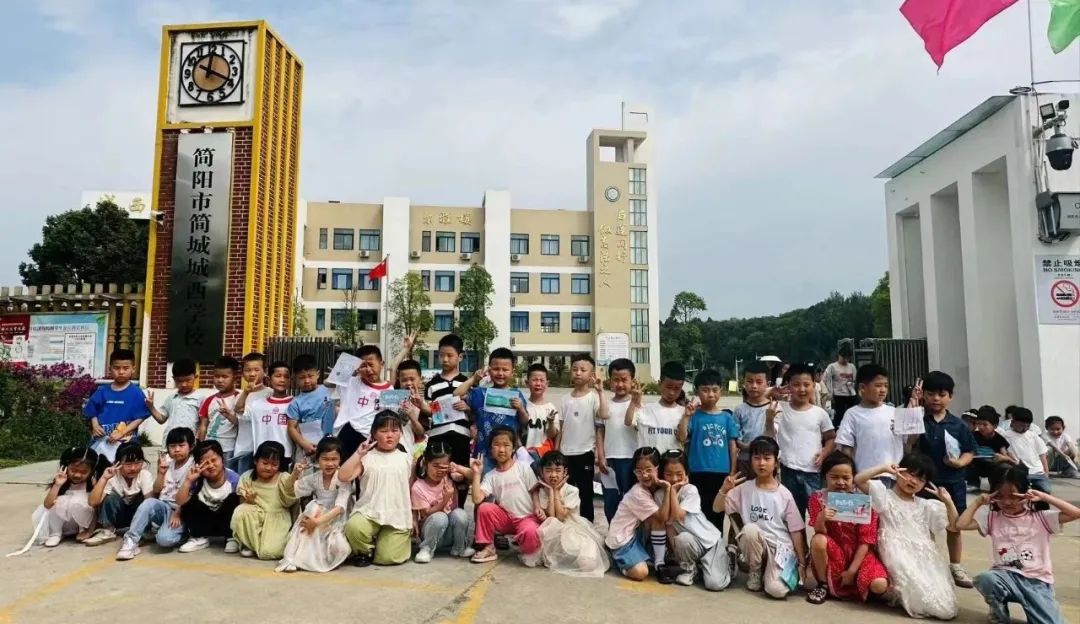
817 595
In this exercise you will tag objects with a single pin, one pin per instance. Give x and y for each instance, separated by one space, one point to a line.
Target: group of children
385 477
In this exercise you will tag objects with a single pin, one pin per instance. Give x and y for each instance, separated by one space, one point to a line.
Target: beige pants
759 554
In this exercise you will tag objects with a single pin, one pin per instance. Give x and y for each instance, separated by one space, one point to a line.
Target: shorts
630 554
957 491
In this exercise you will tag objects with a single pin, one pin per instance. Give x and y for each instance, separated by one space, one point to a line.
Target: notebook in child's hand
853 508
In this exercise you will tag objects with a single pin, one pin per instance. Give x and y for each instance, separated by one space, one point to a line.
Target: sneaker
424 556
468 552
232 546
685 578
485 555
101 536
502 543
665 574
247 552
128 551
960 576
288 568
52 541
733 560
891 596
755 582
193 544
817 595
362 560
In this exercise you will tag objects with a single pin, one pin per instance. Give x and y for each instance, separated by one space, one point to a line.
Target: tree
99 245
473 302
881 308
299 317
409 308
347 333
686 307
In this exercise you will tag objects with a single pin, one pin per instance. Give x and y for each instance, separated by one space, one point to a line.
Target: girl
317 542
434 503
842 553
380 526
208 498
511 511
908 525
1019 534
261 522
638 508
696 541
119 491
67 509
568 543
770 528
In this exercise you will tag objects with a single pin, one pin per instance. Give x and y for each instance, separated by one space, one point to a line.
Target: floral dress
844 538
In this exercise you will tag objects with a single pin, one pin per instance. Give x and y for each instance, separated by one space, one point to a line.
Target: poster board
1057 289
48 339
611 346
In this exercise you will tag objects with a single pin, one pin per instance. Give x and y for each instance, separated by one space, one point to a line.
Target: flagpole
1031 48
384 338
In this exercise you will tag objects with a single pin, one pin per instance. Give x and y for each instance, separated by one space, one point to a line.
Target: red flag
945 24
379 270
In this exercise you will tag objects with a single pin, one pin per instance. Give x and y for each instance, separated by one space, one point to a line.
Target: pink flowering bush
41 410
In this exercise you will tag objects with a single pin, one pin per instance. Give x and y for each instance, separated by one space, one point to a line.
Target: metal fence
905 359
286 348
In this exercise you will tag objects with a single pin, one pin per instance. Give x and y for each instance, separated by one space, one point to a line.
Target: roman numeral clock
211 72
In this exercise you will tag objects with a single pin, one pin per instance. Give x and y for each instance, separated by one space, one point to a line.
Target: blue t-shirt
487 420
932 444
312 407
709 438
112 407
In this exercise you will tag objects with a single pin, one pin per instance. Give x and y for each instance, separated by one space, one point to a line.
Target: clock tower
226 173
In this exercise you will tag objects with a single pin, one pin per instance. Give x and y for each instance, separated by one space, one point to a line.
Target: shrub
41 410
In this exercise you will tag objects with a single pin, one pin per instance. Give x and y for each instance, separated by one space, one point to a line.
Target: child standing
360 401
269 415
581 409
116 410
311 412
568 543
710 434
991 450
697 541
440 523
254 374
208 498
543 427
1028 448
261 522
182 408
317 542
119 491
657 423
409 377
1061 451
617 441
452 433
217 414
160 509
66 509
750 414
639 508
489 416
511 510
866 431
907 527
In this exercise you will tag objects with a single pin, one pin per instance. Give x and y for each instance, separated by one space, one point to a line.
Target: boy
182 408
360 401
254 376
159 508
949 472
311 412
489 416
1061 451
269 414
804 433
1026 446
543 427
410 377
866 432
452 432
840 381
710 434
656 423
750 414
581 409
615 441
991 449
116 410
217 418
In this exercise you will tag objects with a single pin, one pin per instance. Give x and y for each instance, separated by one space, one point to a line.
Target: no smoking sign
1064 293
1057 286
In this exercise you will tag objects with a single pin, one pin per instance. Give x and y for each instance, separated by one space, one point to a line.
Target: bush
41 410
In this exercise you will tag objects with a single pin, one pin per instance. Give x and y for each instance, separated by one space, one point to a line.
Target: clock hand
210 70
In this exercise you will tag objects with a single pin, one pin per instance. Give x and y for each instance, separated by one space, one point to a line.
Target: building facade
562 277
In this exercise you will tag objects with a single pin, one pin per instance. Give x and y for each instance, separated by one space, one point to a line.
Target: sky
771 119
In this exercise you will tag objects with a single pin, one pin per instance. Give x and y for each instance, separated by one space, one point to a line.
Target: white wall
497 261
395 244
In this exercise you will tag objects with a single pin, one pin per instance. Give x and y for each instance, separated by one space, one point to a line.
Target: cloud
579 19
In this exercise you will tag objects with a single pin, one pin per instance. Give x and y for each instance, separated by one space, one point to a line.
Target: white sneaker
424 556
685 578
100 537
193 544
465 554
755 582
960 576
289 568
231 546
52 541
128 551
247 552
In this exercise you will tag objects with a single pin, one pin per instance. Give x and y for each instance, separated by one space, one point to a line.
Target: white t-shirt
511 488
840 379
270 421
774 511
578 422
870 432
359 404
174 478
536 430
245 429
212 496
799 435
620 441
384 488
656 426
694 522
1027 447
143 483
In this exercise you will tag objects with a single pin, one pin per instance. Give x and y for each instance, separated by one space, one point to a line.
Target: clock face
211 73
612 194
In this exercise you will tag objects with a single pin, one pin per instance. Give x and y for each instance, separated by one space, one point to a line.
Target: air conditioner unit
513 341
466 256
365 253
515 258
414 254
513 301
583 259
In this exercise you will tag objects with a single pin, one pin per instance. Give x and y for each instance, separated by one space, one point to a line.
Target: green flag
1064 24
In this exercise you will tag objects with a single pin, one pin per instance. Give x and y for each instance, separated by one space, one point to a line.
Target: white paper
952 446
607 481
442 410
343 369
908 421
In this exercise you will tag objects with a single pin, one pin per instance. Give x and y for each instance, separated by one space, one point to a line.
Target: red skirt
871 568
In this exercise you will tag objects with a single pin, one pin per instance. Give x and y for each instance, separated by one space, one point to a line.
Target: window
639 325
549 322
322 238
470 242
370 240
639 286
549 283
637 212
637 181
519 282
579 246
343 239
444 241
425 279
519 322
337 317
579 284
519 244
549 244
580 322
365 282
640 355
444 281
444 320
368 320
320 280
320 319
639 252
341 279
425 240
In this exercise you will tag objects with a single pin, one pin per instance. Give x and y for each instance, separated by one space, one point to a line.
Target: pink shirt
1021 544
424 495
635 508
774 511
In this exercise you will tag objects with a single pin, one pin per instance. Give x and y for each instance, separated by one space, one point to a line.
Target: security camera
159 217
1059 150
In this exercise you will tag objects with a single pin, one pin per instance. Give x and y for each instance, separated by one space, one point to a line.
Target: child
262 520
511 508
208 498
750 414
907 527
160 509
1061 451
317 542
490 415
440 523
804 433
254 374
543 427
381 522
711 435
935 393
1019 535
360 401
581 409
991 449
840 382
845 563
182 408
639 508
269 415
119 491
1028 448
656 423
66 509
1006 421
116 410
770 529
568 543
866 431
697 541
217 414
311 411
409 377
451 433
616 440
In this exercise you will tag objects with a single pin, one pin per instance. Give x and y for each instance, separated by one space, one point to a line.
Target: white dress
906 533
572 546
326 548
71 512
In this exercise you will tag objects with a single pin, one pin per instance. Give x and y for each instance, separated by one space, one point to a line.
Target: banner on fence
14 331
47 339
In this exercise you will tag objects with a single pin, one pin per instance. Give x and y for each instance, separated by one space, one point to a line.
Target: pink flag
945 24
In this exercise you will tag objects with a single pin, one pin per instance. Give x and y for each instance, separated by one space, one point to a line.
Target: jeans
241 463
1040 482
581 469
1035 597
153 511
624 480
115 513
801 484
435 536
1061 464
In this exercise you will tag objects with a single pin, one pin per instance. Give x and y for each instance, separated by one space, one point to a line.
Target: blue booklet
497 401
854 508
392 399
